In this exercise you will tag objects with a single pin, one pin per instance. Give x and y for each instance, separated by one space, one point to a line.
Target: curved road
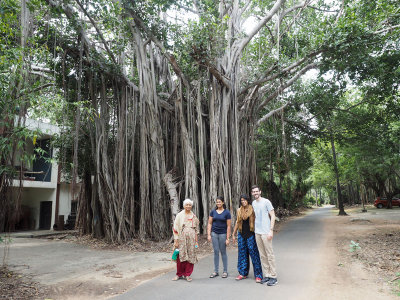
296 247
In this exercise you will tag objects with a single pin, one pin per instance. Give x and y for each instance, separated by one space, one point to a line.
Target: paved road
296 247
52 262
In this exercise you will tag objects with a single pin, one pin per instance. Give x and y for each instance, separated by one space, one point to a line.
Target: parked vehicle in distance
382 202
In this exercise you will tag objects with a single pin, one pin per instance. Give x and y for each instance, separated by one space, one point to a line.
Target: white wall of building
31 197
34 192
65 200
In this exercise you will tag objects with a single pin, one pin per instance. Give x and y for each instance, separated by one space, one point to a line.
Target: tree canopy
164 100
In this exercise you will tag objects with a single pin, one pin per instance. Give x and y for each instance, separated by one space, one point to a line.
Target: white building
44 197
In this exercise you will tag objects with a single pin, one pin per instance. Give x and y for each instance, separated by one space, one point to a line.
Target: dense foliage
165 100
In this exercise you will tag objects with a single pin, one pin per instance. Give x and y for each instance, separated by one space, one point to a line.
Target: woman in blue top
219 231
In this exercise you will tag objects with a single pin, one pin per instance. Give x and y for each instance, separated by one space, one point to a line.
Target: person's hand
209 238
233 239
176 244
227 242
270 235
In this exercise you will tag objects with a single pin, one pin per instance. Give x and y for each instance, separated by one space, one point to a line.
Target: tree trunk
339 191
202 149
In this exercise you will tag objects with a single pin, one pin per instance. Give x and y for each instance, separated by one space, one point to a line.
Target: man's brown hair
255 187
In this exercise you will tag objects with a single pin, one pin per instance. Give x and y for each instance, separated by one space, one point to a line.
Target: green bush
308 201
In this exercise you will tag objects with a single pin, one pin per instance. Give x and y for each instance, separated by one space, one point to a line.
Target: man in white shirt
264 230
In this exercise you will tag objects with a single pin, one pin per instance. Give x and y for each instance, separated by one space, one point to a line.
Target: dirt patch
81 290
134 245
373 258
379 254
15 286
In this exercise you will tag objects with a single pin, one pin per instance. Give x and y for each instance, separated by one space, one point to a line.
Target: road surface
297 249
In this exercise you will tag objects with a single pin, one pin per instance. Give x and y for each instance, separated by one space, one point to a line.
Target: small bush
308 201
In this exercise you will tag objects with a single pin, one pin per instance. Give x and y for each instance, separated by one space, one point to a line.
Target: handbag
175 254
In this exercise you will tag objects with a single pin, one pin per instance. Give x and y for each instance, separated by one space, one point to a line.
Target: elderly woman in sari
186 231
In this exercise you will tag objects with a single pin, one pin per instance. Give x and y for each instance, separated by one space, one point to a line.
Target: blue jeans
218 241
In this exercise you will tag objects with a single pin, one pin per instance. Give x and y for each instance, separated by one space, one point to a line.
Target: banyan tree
163 100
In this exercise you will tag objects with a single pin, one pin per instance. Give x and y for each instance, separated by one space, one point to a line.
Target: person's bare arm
228 230
234 232
271 231
210 220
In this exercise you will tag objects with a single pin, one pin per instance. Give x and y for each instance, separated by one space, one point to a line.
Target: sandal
224 275
176 278
240 277
213 275
189 279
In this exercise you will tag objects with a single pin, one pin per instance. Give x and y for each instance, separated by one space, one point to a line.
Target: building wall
34 192
65 200
30 205
31 198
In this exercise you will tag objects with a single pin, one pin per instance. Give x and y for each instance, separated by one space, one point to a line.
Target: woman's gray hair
187 201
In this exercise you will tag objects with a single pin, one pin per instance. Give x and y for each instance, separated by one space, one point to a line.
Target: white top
262 207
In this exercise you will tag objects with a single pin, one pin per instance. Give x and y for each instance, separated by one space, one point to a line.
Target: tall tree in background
189 110
155 108
20 82
367 52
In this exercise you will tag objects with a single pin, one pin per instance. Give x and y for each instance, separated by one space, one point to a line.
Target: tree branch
272 35
42 87
40 69
187 8
308 6
386 29
282 72
323 10
167 55
164 104
300 6
41 74
197 6
349 108
303 127
395 171
69 12
98 31
287 84
340 13
225 10
217 74
244 7
263 21
248 98
270 114
24 92
259 82
213 70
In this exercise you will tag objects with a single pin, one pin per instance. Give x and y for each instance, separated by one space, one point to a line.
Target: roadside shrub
308 201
